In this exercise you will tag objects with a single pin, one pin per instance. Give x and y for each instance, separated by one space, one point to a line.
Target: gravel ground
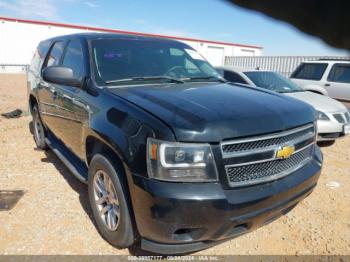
53 216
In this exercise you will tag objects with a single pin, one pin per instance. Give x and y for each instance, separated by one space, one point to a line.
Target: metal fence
13 68
284 65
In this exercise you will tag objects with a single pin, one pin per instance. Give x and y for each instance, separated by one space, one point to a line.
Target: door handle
327 84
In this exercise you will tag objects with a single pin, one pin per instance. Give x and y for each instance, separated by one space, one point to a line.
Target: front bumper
329 129
177 218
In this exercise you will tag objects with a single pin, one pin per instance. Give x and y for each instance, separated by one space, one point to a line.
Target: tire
39 131
325 143
115 227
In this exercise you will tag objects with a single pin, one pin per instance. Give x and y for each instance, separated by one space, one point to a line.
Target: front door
73 110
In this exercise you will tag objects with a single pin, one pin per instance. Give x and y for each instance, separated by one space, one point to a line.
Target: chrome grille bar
258 159
256 173
268 142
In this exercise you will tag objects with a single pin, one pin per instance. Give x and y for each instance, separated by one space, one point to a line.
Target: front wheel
108 201
38 129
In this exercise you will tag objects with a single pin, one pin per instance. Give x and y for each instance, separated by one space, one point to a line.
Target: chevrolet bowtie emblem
285 152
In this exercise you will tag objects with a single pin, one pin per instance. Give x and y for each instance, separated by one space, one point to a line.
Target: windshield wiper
205 78
145 78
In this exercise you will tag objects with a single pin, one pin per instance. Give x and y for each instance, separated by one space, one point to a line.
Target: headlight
180 162
321 116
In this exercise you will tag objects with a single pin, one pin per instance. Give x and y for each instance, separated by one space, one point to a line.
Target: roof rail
334 59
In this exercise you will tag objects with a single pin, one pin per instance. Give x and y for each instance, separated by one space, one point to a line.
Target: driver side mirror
62 76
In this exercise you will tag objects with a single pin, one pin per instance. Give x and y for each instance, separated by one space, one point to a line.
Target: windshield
273 81
137 61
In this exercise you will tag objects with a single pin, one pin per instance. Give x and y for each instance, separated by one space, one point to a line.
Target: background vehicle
333 117
175 158
332 75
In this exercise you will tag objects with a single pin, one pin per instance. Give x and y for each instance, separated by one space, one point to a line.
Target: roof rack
334 59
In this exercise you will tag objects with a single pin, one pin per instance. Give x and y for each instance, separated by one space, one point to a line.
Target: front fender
317 89
125 127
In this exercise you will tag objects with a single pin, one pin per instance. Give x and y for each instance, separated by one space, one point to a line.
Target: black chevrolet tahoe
175 158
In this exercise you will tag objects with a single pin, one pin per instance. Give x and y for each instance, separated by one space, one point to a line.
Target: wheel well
316 92
32 102
93 146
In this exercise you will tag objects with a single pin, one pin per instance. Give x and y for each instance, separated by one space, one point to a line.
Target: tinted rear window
340 73
310 71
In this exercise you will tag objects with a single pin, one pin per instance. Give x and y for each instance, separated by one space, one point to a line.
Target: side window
34 65
310 71
39 55
73 58
233 77
43 48
340 73
55 55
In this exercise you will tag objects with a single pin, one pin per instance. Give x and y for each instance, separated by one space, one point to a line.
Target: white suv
333 119
333 76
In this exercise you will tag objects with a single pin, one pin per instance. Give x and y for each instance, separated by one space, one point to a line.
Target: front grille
339 118
266 171
264 158
258 143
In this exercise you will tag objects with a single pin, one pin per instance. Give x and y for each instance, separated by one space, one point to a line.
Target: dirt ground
54 217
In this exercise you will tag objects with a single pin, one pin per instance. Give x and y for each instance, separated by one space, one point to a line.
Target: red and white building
19 38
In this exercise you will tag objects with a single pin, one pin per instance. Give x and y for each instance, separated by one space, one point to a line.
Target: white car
333 76
333 118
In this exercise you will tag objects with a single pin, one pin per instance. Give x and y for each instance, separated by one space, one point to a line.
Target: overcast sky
207 19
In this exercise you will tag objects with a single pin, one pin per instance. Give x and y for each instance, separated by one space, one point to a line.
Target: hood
212 112
319 102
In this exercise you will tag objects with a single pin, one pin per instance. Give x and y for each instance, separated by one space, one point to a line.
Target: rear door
47 91
338 82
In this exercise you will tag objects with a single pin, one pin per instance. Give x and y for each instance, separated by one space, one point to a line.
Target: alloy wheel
38 130
106 200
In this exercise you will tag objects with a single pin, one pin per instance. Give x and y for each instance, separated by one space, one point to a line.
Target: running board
77 167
